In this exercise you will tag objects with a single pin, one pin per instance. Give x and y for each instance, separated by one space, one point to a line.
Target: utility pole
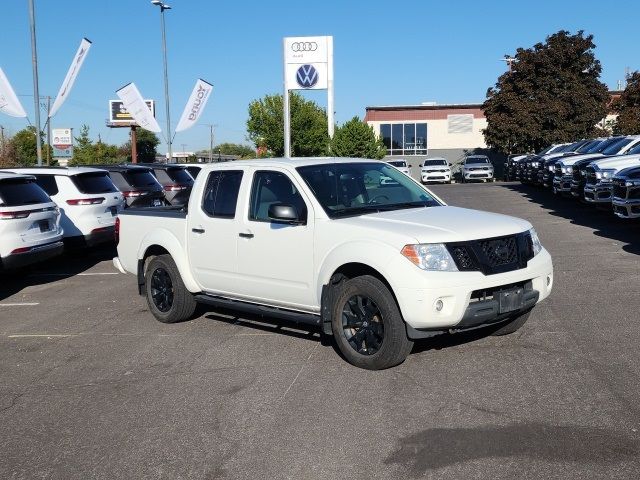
134 145
1 142
210 143
48 130
163 7
36 90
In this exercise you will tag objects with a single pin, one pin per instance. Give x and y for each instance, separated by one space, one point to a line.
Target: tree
552 94
628 107
146 143
357 139
83 151
242 151
23 144
309 136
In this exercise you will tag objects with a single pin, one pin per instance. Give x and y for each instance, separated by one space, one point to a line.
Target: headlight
537 246
551 168
534 164
430 256
566 169
632 183
605 174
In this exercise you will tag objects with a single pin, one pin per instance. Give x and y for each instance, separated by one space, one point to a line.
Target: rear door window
93 183
21 191
221 193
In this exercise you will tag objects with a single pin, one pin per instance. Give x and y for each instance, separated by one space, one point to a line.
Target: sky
386 53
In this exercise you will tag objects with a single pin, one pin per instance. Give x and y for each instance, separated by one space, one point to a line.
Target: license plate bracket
511 300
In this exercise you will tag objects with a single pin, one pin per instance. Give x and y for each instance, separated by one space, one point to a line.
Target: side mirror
283 213
410 166
451 164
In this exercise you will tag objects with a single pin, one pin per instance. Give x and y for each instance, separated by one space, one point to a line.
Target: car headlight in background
605 174
566 170
551 168
535 241
534 164
632 183
430 256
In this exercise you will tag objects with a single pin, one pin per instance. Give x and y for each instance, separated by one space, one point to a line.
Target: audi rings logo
304 46
307 76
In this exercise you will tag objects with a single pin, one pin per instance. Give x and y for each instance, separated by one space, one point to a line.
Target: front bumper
456 290
624 208
34 255
577 189
435 177
477 174
599 193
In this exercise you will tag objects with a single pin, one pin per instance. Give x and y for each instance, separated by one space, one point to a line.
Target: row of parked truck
44 209
599 171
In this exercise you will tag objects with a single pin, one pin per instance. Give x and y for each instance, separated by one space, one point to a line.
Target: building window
460 123
404 139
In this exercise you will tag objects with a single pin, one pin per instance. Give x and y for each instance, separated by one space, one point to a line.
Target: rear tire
513 325
367 325
167 297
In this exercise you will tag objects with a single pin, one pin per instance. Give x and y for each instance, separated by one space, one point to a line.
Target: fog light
439 305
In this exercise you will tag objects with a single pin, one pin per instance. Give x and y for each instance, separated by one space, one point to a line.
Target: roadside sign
118 114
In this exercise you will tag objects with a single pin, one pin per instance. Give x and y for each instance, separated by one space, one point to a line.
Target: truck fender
166 240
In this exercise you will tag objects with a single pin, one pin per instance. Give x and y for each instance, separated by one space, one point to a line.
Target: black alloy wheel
161 289
363 324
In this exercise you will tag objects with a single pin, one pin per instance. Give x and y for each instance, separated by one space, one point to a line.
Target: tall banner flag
9 102
136 106
72 73
195 105
308 65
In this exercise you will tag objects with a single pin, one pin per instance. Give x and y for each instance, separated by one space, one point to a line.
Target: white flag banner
72 73
9 102
137 107
195 105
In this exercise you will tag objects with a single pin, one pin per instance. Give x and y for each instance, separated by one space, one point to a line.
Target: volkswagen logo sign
307 76
304 46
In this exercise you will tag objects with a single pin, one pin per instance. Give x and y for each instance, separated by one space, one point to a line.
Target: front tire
167 297
513 325
367 325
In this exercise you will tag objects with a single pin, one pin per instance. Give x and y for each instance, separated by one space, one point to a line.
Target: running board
255 309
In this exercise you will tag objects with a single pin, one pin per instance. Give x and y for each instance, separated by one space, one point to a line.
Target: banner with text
9 102
72 73
136 106
195 105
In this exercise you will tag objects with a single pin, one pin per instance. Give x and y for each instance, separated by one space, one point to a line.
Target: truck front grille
493 255
619 188
591 176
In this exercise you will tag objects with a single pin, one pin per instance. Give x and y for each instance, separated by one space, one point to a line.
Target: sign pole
330 105
134 145
48 130
36 93
285 104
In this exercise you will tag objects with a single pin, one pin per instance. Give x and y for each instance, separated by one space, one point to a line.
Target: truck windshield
474 160
398 163
617 146
345 189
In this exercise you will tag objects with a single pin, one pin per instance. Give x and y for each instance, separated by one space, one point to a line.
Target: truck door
275 260
213 230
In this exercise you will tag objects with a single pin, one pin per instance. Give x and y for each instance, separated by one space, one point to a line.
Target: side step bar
255 309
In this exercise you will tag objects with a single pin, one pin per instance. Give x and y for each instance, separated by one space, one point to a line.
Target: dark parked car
176 181
137 183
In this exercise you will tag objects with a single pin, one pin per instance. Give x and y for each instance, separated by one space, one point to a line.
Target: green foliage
241 151
147 143
553 94
309 136
628 107
23 148
83 150
357 139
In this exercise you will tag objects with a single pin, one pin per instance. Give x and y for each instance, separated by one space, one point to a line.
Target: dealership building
415 132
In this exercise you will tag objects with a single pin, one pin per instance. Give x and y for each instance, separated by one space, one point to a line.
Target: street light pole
163 7
36 90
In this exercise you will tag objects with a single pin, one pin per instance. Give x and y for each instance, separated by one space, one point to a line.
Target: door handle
245 235
197 230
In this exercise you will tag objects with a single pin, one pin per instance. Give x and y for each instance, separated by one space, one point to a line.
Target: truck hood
617 162
570 160
436 224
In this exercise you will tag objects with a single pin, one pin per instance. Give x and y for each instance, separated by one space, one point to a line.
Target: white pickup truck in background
322 241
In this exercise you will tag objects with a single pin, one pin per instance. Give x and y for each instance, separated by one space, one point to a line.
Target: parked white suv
435 170
477 167
401 165
87 198
29 222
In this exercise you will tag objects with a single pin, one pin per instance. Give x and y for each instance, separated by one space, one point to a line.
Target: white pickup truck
322 241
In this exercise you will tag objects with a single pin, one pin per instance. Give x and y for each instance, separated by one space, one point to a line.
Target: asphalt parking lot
91 386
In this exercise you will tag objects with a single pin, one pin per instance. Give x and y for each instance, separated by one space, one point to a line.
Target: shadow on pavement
440 447
66 265
603 222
